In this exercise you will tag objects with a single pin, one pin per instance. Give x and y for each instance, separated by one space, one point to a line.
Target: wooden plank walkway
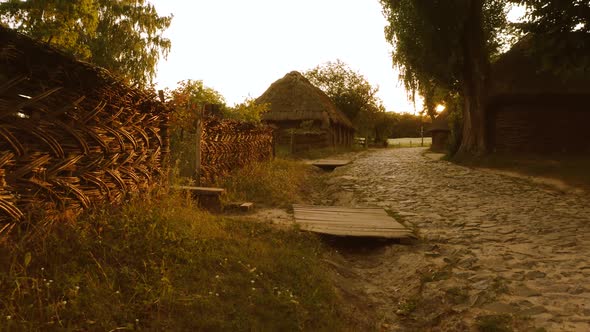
344 221
330 164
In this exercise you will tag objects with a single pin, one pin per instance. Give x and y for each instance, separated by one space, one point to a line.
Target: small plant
494 323
279 182
432 276
406 307
457 295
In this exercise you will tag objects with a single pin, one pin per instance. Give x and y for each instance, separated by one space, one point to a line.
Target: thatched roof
521 71
294 98
440 123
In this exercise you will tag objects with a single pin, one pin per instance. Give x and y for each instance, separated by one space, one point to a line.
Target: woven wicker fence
227 145
71 135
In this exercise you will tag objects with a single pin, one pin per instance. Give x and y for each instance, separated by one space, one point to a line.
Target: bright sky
240 47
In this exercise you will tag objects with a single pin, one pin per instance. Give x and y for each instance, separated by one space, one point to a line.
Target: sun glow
440 108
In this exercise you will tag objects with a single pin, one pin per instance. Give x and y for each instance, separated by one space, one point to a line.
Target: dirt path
494 250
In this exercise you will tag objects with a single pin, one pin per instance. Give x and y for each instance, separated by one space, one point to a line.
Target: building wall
290 133
540 128
440 140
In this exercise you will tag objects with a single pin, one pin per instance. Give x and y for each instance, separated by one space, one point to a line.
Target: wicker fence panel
71 136
227 145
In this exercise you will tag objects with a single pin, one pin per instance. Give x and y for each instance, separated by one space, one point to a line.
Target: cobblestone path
492 251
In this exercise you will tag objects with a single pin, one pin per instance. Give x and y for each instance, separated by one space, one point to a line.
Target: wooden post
165 134
197 166
292 141
274 144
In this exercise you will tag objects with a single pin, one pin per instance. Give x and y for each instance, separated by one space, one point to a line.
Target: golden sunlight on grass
161 264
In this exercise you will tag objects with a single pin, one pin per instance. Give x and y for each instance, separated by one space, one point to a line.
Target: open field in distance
408 142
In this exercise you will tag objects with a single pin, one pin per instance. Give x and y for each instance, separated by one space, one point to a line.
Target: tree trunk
475 77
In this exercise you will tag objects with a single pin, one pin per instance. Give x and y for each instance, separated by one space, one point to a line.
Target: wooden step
246 206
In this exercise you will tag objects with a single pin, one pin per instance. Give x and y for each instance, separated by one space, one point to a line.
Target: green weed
279 182
406 307
161 264
457 295
494 323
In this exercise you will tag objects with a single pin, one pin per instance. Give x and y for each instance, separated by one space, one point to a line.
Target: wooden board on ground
209 191
330 164
345 221
207 197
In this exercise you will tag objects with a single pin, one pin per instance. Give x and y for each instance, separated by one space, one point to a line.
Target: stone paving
493 250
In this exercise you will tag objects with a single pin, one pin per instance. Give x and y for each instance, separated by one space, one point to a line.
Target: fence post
165 134
197 176
292 142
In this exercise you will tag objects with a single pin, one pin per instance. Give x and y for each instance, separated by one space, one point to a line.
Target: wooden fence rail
71 135
227 145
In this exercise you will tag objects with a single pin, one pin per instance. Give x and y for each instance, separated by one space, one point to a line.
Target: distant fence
227 145
71 135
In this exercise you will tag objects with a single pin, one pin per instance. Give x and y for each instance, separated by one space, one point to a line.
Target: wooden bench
207 197
240 206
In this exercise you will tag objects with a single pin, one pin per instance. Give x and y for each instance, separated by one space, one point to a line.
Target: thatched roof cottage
531 109
301 110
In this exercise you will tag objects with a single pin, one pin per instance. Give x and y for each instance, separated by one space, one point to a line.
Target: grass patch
573 170
279 183
160 264
406 307
494 323
457 295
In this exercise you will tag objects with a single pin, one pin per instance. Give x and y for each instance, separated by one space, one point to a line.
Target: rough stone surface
489 244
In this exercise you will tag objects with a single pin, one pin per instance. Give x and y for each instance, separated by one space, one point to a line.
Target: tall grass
280 182
161 264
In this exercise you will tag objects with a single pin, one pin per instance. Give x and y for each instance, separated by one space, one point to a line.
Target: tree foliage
248 111
187 102
351 93
446 46
428 35
348 89
564 52
124 36
556 15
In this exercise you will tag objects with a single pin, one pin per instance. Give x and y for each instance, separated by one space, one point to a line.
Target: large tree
564 52
351 93
124 36
448 44
349 90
